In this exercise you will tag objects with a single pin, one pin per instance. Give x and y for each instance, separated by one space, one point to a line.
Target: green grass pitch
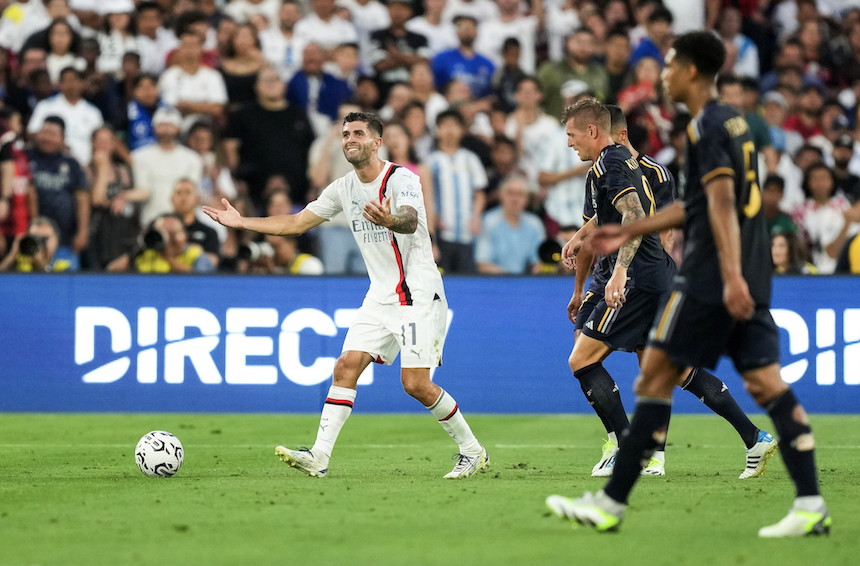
70 494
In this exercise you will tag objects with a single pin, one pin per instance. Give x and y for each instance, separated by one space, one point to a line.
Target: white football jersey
401 266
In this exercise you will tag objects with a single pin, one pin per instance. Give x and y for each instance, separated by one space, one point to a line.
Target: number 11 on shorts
403 333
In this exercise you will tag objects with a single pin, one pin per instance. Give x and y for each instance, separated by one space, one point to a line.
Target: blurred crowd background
120 118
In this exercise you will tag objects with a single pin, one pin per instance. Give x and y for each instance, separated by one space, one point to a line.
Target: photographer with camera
279 255
34 252
164 248
185 200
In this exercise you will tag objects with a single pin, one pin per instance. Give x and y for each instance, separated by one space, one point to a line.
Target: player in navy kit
719 303
603 395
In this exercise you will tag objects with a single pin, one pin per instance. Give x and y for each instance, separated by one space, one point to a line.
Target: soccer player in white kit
405 309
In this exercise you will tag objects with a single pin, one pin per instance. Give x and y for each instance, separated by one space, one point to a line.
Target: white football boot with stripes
467 466
603 469
757 456
303 460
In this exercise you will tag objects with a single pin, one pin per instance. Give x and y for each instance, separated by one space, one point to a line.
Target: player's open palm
229 218
736 296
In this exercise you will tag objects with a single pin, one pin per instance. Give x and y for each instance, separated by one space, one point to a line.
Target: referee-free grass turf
70 494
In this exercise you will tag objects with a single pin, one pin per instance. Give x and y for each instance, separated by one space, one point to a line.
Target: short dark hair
588 110
661 14
702 49
145 77
775 180
451 114
528 78
57 121
510 43
729 79
148 5
374 124
637 135
77 73
459 17
617 118
499 139
620 30
185 20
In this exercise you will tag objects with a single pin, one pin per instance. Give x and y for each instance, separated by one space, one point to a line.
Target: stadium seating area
121 118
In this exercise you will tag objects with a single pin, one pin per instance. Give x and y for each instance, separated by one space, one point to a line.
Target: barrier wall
268 344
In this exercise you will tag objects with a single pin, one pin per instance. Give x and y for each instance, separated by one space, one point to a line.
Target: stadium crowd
121 118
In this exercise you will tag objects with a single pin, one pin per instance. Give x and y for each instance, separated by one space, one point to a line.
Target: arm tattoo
406 222
631 210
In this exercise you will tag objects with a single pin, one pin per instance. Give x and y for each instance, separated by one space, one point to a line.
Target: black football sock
645 433
715 395
796 443
603 395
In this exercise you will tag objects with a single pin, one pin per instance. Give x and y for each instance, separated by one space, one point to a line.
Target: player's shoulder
717 119
648 163
401 172
613 158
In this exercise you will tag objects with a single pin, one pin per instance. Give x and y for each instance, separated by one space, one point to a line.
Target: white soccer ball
159 454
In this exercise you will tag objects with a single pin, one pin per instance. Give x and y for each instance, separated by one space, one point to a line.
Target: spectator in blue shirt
659 38
510 236
140 111
463 63
315 91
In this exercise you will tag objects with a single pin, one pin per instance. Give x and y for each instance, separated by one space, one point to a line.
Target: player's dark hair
451 114
815 167
702 49
661 14
775 180
374 124
617 118
638 135
57 121
588 111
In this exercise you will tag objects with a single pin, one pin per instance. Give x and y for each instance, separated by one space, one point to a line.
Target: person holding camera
34 252
164 248
62 188
279 255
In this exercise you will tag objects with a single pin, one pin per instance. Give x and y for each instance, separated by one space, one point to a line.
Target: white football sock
613 437
448 414
337 408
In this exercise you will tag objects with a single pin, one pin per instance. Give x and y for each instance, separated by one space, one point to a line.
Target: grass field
70 494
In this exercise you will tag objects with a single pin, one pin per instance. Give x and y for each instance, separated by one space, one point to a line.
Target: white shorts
418 331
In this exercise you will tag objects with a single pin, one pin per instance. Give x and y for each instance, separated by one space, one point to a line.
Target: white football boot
467 466
757 456
302 459
603 469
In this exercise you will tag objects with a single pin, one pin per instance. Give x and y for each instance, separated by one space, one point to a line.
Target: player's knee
654 385
414 387
346 370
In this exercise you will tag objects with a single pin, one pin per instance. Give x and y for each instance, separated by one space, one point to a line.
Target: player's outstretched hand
736 296
606 239
229 218
574 305
379 214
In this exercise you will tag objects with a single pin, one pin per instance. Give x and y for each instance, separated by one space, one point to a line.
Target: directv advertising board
268 344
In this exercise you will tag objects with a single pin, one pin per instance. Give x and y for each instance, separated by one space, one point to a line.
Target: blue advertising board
268 344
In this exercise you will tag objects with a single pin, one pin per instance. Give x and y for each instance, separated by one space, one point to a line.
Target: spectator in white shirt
440 33
63 49
282 47
17 23
81 117
157 167
511 22
322 27
116 39
198 92
154 41
530 127
242 10
747 61
367 16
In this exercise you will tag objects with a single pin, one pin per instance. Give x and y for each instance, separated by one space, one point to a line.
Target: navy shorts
622 329
696 334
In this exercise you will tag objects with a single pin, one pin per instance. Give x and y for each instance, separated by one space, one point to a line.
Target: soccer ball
159 454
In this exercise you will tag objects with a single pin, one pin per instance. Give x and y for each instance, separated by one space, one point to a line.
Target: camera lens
29 245
153 240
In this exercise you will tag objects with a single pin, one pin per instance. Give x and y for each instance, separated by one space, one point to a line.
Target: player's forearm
286 225
405 222
631 211
724 226
670 217
584 261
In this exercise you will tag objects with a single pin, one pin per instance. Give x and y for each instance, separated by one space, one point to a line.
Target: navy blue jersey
602 269
662 182
719 143
615 173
